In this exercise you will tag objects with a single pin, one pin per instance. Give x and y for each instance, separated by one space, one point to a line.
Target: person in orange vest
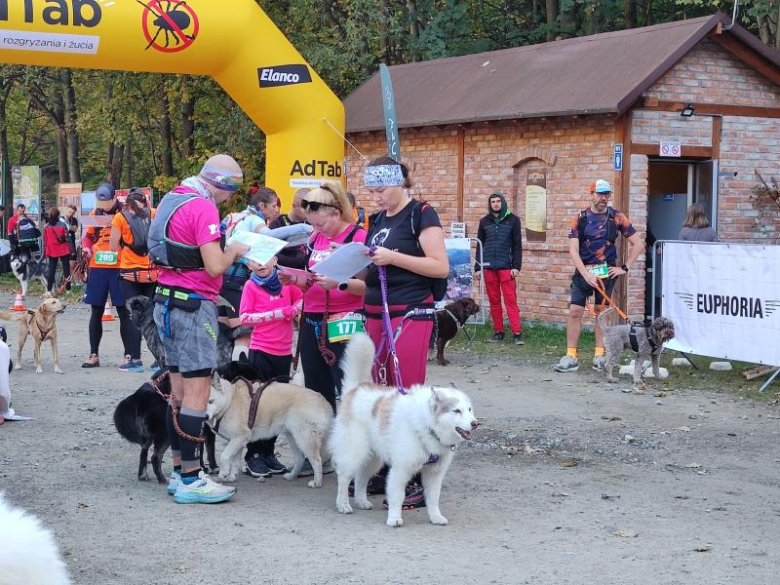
137 274
359 214
103 274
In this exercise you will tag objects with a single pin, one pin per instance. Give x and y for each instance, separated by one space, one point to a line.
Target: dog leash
604 298
388 339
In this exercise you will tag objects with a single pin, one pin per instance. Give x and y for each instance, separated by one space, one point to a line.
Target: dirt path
551 491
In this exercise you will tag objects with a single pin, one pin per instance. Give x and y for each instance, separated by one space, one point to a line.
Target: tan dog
302 414
41 324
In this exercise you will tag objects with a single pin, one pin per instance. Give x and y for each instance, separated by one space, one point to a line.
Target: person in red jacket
57 247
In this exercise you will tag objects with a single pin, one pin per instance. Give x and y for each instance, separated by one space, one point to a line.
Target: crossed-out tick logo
169 26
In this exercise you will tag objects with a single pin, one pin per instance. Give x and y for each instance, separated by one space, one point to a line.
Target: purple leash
388 339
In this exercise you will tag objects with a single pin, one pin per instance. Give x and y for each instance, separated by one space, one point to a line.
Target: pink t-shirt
195 223
271 333
340 301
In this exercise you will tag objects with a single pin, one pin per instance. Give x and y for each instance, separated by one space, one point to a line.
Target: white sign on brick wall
670 148
458 229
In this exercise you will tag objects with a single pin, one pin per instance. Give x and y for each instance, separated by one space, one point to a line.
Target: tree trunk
129 156
7 184
552 18
62 156
414 27
188 127
116 158
167 138
71 132
629 13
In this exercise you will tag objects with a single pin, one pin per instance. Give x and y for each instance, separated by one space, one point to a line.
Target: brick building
556 112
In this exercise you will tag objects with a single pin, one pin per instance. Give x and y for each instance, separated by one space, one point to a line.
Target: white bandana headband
222 179
383 176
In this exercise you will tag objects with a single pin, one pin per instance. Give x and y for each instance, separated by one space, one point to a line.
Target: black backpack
438 285
139 226
27 232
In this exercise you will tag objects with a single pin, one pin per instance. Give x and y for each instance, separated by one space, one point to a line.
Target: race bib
106 258
342 326
602 271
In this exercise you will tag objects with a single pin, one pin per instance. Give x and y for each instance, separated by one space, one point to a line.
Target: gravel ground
568 480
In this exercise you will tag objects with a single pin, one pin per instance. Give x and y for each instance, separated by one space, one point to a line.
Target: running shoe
203 490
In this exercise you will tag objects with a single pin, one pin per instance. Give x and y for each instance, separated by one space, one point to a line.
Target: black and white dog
28 267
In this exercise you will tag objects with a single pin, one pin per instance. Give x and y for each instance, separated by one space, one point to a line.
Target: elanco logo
283 75
729 305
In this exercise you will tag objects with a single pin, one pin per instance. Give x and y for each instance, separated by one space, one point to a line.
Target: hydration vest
164 251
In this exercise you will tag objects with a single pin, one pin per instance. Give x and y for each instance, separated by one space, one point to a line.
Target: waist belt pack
178 298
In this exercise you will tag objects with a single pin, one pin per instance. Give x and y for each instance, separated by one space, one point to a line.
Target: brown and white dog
449 321
418 432
41 324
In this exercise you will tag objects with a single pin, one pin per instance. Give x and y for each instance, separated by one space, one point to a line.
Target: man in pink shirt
185 241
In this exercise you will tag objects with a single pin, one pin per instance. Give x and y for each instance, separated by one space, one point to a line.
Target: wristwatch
343 286
625 268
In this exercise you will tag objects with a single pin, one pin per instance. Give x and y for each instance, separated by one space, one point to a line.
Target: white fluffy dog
377 425
28 553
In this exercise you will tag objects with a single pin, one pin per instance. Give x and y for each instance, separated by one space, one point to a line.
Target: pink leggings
411 346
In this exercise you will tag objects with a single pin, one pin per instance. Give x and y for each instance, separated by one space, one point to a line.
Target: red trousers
497 283
411 347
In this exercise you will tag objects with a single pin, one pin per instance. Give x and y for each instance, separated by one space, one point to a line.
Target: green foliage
120 117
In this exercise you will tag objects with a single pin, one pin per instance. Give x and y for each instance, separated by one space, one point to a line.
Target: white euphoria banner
724 300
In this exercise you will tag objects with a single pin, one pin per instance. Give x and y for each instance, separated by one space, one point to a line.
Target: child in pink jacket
270 309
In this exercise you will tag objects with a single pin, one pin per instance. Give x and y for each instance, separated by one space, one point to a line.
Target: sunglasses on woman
315 205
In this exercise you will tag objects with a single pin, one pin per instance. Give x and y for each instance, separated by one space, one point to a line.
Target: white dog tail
603 316
357 361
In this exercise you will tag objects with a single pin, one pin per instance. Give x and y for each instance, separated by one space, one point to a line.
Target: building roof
603 73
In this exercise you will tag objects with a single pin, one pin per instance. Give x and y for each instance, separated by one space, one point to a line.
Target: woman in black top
409 243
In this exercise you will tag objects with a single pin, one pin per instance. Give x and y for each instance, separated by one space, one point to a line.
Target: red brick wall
580 150
711 74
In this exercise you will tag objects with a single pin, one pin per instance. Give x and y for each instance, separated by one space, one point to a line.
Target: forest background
141 129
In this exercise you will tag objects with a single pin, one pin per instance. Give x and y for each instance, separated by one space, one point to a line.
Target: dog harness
632 337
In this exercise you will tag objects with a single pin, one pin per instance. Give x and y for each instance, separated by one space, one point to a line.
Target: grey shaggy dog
617 338
142 314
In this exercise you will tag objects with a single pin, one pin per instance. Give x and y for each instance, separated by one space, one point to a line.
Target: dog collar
435 436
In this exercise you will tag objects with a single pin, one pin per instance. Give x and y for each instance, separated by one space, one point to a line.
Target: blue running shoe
203 490
132 366
174 482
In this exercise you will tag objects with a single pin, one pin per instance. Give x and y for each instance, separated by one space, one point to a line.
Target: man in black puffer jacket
502 243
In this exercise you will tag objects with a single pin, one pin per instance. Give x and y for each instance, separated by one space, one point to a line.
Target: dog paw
143 477
612 380
314 484
439 520
395 522
58 371
344 508
363 505
39 370
289 476
18 367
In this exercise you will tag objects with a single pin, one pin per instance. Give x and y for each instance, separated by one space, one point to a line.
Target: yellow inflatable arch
231 40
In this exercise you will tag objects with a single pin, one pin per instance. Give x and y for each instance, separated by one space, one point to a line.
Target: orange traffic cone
19 303
108 314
